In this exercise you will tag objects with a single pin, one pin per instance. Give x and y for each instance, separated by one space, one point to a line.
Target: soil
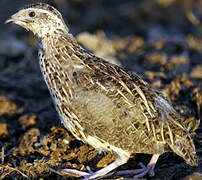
159 39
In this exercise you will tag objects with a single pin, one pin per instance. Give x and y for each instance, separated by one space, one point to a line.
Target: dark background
159 39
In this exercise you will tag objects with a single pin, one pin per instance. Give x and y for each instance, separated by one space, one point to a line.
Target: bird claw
149 169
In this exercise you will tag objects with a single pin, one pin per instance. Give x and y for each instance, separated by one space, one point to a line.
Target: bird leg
92 175
75 172
144 170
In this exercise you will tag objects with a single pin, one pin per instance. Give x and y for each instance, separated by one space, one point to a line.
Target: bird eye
32 14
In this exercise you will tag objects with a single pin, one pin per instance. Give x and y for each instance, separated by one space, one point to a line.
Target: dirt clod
26 144
7 107
27 120
3 130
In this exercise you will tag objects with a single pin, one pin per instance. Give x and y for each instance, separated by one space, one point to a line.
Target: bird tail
179 139
175 134
185 148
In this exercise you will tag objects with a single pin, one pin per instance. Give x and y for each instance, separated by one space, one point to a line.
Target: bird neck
54 45
59 58
61 52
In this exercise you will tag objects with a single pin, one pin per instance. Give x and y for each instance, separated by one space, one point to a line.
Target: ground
159 39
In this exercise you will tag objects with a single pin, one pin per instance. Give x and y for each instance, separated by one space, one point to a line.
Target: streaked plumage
102 104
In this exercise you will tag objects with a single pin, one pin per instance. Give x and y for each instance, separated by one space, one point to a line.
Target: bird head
42 19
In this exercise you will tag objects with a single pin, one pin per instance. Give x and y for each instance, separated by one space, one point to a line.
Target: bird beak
9 21
12 19
15 19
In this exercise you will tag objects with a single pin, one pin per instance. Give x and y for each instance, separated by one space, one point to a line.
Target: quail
102 104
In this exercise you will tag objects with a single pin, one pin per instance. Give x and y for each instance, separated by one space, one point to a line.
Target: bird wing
120 108
114 104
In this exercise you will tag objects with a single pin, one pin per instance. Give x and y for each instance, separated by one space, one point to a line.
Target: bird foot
149 169
87 175
139 173
100 173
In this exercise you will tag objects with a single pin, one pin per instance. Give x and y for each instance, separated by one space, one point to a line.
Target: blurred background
159 39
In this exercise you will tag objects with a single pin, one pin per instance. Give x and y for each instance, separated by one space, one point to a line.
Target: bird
101 104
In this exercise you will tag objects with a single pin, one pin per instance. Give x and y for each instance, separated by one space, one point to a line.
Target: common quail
100 103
